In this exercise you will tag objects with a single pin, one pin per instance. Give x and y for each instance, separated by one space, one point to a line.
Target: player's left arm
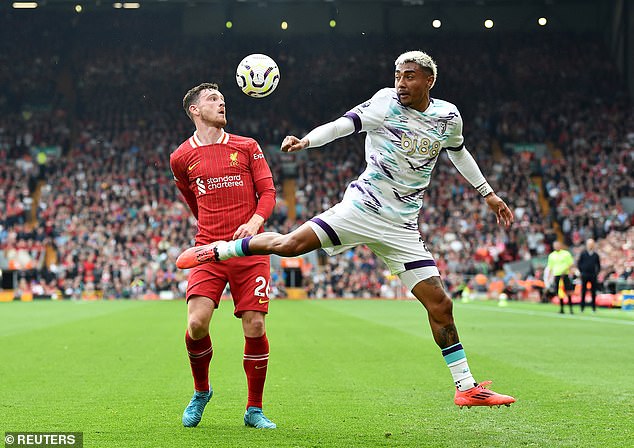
467 166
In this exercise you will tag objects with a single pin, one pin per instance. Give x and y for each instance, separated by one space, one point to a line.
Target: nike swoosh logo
262 301
261 367
192 166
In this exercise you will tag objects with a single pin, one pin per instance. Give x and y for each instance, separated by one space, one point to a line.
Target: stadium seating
100 213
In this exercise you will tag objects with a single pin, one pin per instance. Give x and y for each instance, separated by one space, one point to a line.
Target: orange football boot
197 255
481 396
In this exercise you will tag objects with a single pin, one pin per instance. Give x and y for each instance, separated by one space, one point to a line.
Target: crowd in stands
113 221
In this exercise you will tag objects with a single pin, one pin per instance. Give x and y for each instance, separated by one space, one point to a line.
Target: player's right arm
319 136
364 117
180 178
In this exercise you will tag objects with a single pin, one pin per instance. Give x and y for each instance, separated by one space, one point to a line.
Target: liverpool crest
233 157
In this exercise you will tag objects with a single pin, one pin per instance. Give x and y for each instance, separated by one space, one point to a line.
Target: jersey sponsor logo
192 166
233 157
201 186
258 156
215 183
423 146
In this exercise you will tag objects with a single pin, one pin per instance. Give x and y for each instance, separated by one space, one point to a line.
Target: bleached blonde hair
422 59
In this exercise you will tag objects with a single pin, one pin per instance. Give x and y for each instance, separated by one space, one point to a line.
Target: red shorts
248 280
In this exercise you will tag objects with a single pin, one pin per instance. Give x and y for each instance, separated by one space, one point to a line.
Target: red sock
200 353
256 359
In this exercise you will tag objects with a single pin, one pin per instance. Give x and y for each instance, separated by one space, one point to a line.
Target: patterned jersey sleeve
370 115
455 140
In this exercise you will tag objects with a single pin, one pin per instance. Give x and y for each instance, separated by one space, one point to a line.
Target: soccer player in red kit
228 186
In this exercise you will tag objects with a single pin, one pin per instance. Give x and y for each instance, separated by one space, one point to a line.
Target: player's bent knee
255 329
253 325
441 308
198 328
446 311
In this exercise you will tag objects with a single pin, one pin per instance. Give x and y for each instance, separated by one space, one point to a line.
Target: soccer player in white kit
406 131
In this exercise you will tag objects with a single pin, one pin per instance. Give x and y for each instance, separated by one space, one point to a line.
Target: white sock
226 250
462 375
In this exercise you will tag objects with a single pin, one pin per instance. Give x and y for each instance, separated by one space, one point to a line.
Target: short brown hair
191 97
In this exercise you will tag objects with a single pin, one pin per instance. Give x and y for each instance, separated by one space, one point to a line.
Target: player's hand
244 231
292 144
503 213
249 228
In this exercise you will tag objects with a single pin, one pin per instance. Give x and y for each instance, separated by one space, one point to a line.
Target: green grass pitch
347 373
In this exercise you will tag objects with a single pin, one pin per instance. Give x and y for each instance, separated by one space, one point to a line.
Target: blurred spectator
589 266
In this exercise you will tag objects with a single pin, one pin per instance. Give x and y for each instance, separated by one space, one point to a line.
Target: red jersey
218 182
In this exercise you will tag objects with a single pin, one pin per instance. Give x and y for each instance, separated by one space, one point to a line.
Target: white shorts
343 227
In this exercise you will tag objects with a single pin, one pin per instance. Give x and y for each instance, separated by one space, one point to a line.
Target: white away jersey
401 149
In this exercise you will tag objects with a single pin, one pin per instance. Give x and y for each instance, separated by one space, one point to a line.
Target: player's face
412 85
211 108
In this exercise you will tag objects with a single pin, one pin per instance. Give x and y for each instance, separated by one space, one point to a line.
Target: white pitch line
552 315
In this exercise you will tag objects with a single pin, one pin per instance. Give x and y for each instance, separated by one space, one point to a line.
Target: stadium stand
89 209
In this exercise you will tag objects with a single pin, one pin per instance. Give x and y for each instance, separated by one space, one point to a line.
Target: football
257 75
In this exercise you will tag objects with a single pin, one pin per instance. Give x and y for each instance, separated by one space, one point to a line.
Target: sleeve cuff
484 189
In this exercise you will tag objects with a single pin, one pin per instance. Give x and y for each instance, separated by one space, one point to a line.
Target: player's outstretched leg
194 411
480 395
300 241
254 418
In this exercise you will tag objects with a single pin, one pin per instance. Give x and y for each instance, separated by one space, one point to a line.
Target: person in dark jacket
589 266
